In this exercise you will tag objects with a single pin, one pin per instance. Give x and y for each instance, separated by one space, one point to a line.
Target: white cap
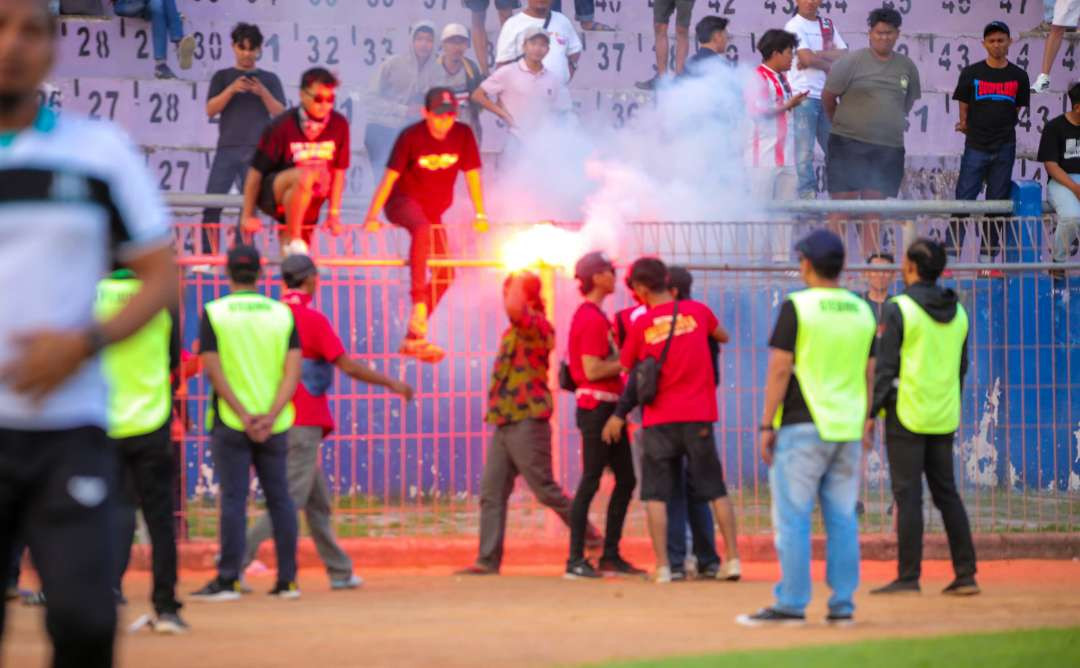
454 30
534 31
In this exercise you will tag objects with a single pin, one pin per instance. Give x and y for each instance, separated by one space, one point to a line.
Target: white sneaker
663 575
354 581
1042 84
730 570
295 247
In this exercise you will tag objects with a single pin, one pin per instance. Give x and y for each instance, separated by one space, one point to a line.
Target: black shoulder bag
646 374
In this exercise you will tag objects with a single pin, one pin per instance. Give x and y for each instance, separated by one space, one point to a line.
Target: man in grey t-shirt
868 95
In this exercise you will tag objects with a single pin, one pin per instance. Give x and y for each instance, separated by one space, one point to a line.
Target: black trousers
144 480
597 456
55 492
910 457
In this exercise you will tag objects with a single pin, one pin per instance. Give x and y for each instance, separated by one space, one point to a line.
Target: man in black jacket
922 359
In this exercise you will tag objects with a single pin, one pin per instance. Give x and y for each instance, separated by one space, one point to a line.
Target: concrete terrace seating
106 68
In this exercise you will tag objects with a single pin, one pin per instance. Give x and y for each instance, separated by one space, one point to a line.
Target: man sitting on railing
299 163
1059 151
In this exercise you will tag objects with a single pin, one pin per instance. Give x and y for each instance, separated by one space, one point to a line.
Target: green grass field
1018 649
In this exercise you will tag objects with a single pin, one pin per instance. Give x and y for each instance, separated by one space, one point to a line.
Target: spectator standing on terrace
712 38
990 94
678 422
922 360
478 10
166 26
322 351
565 43
820 45
527 95
662 12
519 407
1059 151
416 190
771 153
585 13
460 75
244 98
813 429
867 97
1066 16
299 164
595 369
397 93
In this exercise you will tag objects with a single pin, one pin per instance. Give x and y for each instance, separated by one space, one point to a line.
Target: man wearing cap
322 350
396 93
459 74
566 47
138 370
595 368
817 394
990 93
526 94
923 360
416 190
250 350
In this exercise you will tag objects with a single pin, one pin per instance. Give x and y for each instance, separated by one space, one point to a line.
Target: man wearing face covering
397 93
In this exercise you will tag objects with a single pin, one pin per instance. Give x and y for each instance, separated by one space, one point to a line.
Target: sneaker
649 84
730 570
204 270
170 623
580 569
418 321
1042 84
771 617
162 71
354 581
185 49
596 26
898 587
839 619
618 566
663 575
218 590
477 569
678 576
710 572
962 587
285 591
423 350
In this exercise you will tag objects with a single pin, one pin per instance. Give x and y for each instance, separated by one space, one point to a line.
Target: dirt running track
531 617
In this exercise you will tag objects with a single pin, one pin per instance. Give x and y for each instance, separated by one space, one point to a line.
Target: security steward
921 365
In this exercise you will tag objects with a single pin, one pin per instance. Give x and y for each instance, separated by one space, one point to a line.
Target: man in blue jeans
817 392
990 94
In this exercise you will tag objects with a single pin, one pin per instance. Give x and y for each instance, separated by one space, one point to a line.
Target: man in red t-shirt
595 367
321 350
416 190
679 421
300 162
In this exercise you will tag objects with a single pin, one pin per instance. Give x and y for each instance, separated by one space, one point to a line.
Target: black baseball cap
441 100
296 269
996 26
244 258
591 264
822 247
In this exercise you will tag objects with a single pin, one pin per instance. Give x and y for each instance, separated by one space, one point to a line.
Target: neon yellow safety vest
928 394
252 334
137 368
832 348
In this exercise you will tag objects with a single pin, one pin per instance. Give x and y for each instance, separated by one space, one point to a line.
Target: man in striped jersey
771 153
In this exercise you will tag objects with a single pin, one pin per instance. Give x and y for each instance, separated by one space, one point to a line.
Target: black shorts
269 205
482 5
665 446
853 166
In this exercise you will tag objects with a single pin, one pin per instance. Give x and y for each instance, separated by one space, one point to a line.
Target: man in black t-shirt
300 162
990 94
1059 151
417 188
244 98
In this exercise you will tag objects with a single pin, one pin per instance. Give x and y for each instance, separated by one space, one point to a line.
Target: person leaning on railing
1059 151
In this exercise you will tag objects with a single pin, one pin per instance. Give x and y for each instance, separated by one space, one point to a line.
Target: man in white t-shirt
770 154
820 44
565 48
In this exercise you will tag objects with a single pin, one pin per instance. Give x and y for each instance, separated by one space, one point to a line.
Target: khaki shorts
682 9
1066 13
